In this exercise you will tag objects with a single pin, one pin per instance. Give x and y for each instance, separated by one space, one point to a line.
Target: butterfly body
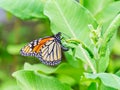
48 50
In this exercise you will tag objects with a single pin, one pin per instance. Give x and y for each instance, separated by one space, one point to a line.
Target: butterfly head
58 36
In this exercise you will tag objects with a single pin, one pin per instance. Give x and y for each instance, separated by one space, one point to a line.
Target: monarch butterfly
48 49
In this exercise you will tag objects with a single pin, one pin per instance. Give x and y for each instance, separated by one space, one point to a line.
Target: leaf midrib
117 81
66 22
74 36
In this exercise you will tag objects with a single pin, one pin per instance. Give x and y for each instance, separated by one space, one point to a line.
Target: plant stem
88 60
97 65
81 45
97 58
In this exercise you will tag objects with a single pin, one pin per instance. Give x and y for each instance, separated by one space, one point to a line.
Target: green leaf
118 73
67 79
24 9
73 22
109 34
39 67
110 80
63 68
107 43
106 15
108 12
103 87
104 61
28 80
92 86
104 10
96 6
75 62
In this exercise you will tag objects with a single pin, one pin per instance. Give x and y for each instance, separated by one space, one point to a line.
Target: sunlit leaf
107 42
96 6
63 68
108 14
110 80
103 87
24 9
28 80
73 23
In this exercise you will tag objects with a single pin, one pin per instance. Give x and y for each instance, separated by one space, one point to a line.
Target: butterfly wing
50 53
27 50
48 50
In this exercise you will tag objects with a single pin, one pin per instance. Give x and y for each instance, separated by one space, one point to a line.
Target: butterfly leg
64 48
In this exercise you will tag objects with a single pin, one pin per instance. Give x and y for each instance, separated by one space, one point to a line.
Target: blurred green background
14 33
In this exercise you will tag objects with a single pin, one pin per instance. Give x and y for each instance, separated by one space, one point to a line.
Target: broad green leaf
67 79
110 80
71 18
107 43
110 31
24 9
103 87
109 11
63 68
74 22
28 80
96 6
108 14
39 67
75 62
104 10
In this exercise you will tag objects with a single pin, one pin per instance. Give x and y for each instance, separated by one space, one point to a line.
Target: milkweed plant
91 27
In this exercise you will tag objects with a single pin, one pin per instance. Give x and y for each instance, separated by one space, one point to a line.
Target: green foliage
25 9
110 80
14 49
30 81
69 21
9 85
92 29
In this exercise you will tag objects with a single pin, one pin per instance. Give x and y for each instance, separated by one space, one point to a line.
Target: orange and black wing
48 50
